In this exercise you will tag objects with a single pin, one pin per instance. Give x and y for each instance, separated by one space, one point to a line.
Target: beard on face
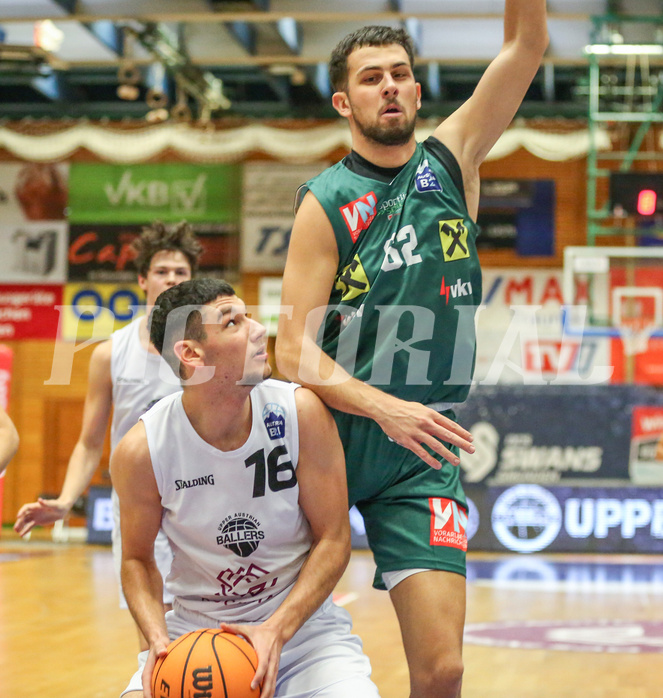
390 134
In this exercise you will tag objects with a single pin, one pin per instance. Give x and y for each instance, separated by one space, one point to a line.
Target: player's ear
189 352
142 282
341 103
192 362
418 95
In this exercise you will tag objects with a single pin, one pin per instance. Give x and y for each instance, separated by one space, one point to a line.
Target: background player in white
375 89
8 439
124 377
246 476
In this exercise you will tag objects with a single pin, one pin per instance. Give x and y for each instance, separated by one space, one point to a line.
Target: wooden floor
62 634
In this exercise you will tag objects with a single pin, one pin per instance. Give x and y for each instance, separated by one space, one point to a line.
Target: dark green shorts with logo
415 516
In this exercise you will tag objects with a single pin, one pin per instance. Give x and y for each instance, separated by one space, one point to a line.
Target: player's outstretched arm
308 278
474 128
8 439
86 455
323 498
140 520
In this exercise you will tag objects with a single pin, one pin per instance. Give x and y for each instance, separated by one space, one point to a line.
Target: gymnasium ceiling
267 58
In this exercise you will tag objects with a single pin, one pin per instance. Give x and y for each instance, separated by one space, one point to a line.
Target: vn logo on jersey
448 524
359 214
453 236
352 281
460 288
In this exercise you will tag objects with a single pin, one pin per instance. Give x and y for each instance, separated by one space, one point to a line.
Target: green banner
169 192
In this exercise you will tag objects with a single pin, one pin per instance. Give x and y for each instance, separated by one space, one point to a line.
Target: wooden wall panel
48 419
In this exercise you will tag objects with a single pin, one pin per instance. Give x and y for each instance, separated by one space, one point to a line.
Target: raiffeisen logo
359 214
460 288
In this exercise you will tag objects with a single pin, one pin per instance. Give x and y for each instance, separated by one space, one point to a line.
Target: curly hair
373 35
175 315
161 238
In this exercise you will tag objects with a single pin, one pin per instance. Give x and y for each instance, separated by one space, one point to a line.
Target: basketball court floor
538 626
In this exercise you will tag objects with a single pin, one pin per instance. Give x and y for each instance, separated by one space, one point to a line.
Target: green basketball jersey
401 312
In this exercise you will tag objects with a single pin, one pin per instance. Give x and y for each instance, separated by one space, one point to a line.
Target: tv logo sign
448 525
555 356
359 214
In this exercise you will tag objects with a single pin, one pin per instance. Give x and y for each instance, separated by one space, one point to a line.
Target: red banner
28 312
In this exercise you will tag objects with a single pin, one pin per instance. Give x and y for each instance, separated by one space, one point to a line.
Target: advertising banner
647 429
34 252
99 515
33 192
94 311
265 241
269 190
170 192
550 434
521 338
103 253
269 299
517 214
530 518
33 229
29 312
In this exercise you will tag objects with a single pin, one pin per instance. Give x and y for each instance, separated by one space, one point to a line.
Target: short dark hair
183 325
373 35
161 238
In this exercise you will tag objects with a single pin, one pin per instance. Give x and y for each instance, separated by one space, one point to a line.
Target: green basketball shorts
415 516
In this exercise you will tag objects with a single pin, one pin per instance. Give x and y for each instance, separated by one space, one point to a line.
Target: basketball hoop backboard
614 292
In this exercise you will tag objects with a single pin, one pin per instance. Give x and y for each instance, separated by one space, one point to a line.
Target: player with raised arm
380 290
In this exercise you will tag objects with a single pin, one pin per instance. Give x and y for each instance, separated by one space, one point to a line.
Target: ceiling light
47 36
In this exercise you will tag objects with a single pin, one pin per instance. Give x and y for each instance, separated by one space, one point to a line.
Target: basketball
206 662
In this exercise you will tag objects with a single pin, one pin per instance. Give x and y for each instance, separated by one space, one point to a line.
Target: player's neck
222 420
387 156
144 335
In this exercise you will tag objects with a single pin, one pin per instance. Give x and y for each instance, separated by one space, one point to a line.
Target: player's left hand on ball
267 644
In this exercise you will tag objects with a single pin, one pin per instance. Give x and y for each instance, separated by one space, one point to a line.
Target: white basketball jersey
139 380
238 535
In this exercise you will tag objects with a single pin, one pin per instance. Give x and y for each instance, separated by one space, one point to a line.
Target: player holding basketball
246 477
383 262
125 376
8 440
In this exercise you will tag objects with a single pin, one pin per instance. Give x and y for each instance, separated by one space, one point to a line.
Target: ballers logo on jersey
240 534
448 525
359 214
